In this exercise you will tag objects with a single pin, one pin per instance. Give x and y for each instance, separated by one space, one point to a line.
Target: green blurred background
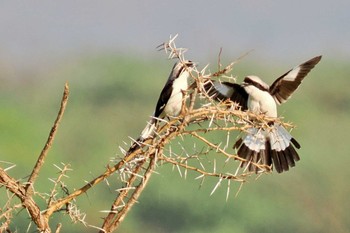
104 109
105 50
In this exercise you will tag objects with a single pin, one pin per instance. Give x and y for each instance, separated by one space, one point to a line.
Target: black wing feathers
240 96
285 85
222 91
163 98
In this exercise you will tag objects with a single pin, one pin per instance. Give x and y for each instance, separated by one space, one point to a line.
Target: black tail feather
289 156
295 143
135 146
238 143
268 153
276 161
294 153
281 160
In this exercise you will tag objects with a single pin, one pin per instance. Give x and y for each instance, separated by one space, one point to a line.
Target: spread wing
285 85
221 91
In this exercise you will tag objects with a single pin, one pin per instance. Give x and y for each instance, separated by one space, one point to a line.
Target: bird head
180 67
255 81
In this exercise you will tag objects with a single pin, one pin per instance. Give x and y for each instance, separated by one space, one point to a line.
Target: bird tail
267 147
146 133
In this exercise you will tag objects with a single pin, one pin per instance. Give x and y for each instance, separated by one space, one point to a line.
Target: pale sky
37 32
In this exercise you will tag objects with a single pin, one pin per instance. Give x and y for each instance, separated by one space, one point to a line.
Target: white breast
174 104
261 102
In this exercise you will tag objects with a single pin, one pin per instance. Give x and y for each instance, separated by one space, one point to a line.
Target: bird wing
285 85
221 91
163 98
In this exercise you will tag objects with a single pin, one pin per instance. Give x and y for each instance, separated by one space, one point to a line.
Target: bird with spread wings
273 146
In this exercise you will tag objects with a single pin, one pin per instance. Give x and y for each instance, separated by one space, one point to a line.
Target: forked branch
200 117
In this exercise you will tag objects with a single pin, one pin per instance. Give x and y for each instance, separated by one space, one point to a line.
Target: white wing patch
291 76
223 89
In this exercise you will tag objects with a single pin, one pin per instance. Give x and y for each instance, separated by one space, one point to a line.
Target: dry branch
200 116
45 150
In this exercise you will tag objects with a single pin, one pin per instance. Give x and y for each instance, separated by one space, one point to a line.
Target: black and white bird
170 100
273 146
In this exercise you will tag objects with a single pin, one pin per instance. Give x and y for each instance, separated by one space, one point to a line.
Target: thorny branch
25 192
200 117
133 198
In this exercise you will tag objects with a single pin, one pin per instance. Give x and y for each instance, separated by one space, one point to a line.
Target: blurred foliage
112 98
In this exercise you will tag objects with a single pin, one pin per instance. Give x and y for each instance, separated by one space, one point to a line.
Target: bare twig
43 154
57 182
200 116
58 228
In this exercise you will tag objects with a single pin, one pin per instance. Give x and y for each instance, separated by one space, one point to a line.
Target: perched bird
261 145
170 100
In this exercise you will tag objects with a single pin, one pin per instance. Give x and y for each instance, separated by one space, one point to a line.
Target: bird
273 146
170 99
